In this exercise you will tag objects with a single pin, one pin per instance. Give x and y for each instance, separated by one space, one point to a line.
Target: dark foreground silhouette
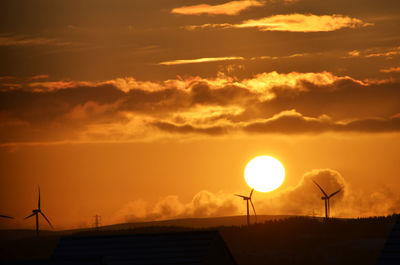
295 240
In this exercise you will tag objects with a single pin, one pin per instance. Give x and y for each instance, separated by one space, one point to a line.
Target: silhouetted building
391 252
197 247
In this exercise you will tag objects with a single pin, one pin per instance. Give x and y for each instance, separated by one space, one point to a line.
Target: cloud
37 77
383 52
18 40
387 52
56 85
293 23
265 83
208 25
230 58
201 60
353 53
203 204
229 8
305 198
391 70
185 129
289 122
126 109
301 199
293 122
266 57
303 23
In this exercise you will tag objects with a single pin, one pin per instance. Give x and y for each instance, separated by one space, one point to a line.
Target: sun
264 173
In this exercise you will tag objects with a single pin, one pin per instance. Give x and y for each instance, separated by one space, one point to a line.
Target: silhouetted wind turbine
36 212
6 216
326 198
247 199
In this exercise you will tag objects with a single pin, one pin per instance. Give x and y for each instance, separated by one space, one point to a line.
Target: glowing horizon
139 111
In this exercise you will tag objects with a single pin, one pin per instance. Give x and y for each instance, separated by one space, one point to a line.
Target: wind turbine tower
36 213
326 198
247 199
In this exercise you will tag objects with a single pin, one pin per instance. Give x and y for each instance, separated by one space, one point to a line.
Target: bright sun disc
264 173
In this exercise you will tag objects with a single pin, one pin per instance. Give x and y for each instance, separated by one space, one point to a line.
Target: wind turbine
326 198
247 199
36 212
6 216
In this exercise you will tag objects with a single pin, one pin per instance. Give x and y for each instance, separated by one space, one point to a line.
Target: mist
302 199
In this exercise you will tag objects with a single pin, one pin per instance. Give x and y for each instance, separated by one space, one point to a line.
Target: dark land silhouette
290 240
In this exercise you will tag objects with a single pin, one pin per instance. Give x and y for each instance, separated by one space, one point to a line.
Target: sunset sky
150 110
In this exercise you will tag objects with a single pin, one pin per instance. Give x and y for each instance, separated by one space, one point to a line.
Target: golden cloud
264 83
391 70
266 57
293 23
353 53
126 109
389 53
203 204
229 8
303 23
301 199
287 122
203 114
57 85
37 77
201 60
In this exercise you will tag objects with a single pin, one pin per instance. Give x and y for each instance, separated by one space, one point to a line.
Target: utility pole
97 221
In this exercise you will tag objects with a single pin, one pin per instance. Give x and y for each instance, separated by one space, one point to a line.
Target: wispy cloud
293 23
303 23
388 52
201 60
267 57
18 40
229 8
37 77
391 70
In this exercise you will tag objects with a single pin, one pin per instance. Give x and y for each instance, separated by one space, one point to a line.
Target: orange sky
137 111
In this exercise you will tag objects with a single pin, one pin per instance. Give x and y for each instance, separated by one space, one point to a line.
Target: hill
277 240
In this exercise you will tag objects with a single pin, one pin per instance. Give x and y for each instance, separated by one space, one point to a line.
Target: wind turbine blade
251 193
46 219
254 209
39 198
6 216
244 197
29 216
320 188
336 192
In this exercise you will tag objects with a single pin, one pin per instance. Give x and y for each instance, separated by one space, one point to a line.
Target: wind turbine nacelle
324 198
